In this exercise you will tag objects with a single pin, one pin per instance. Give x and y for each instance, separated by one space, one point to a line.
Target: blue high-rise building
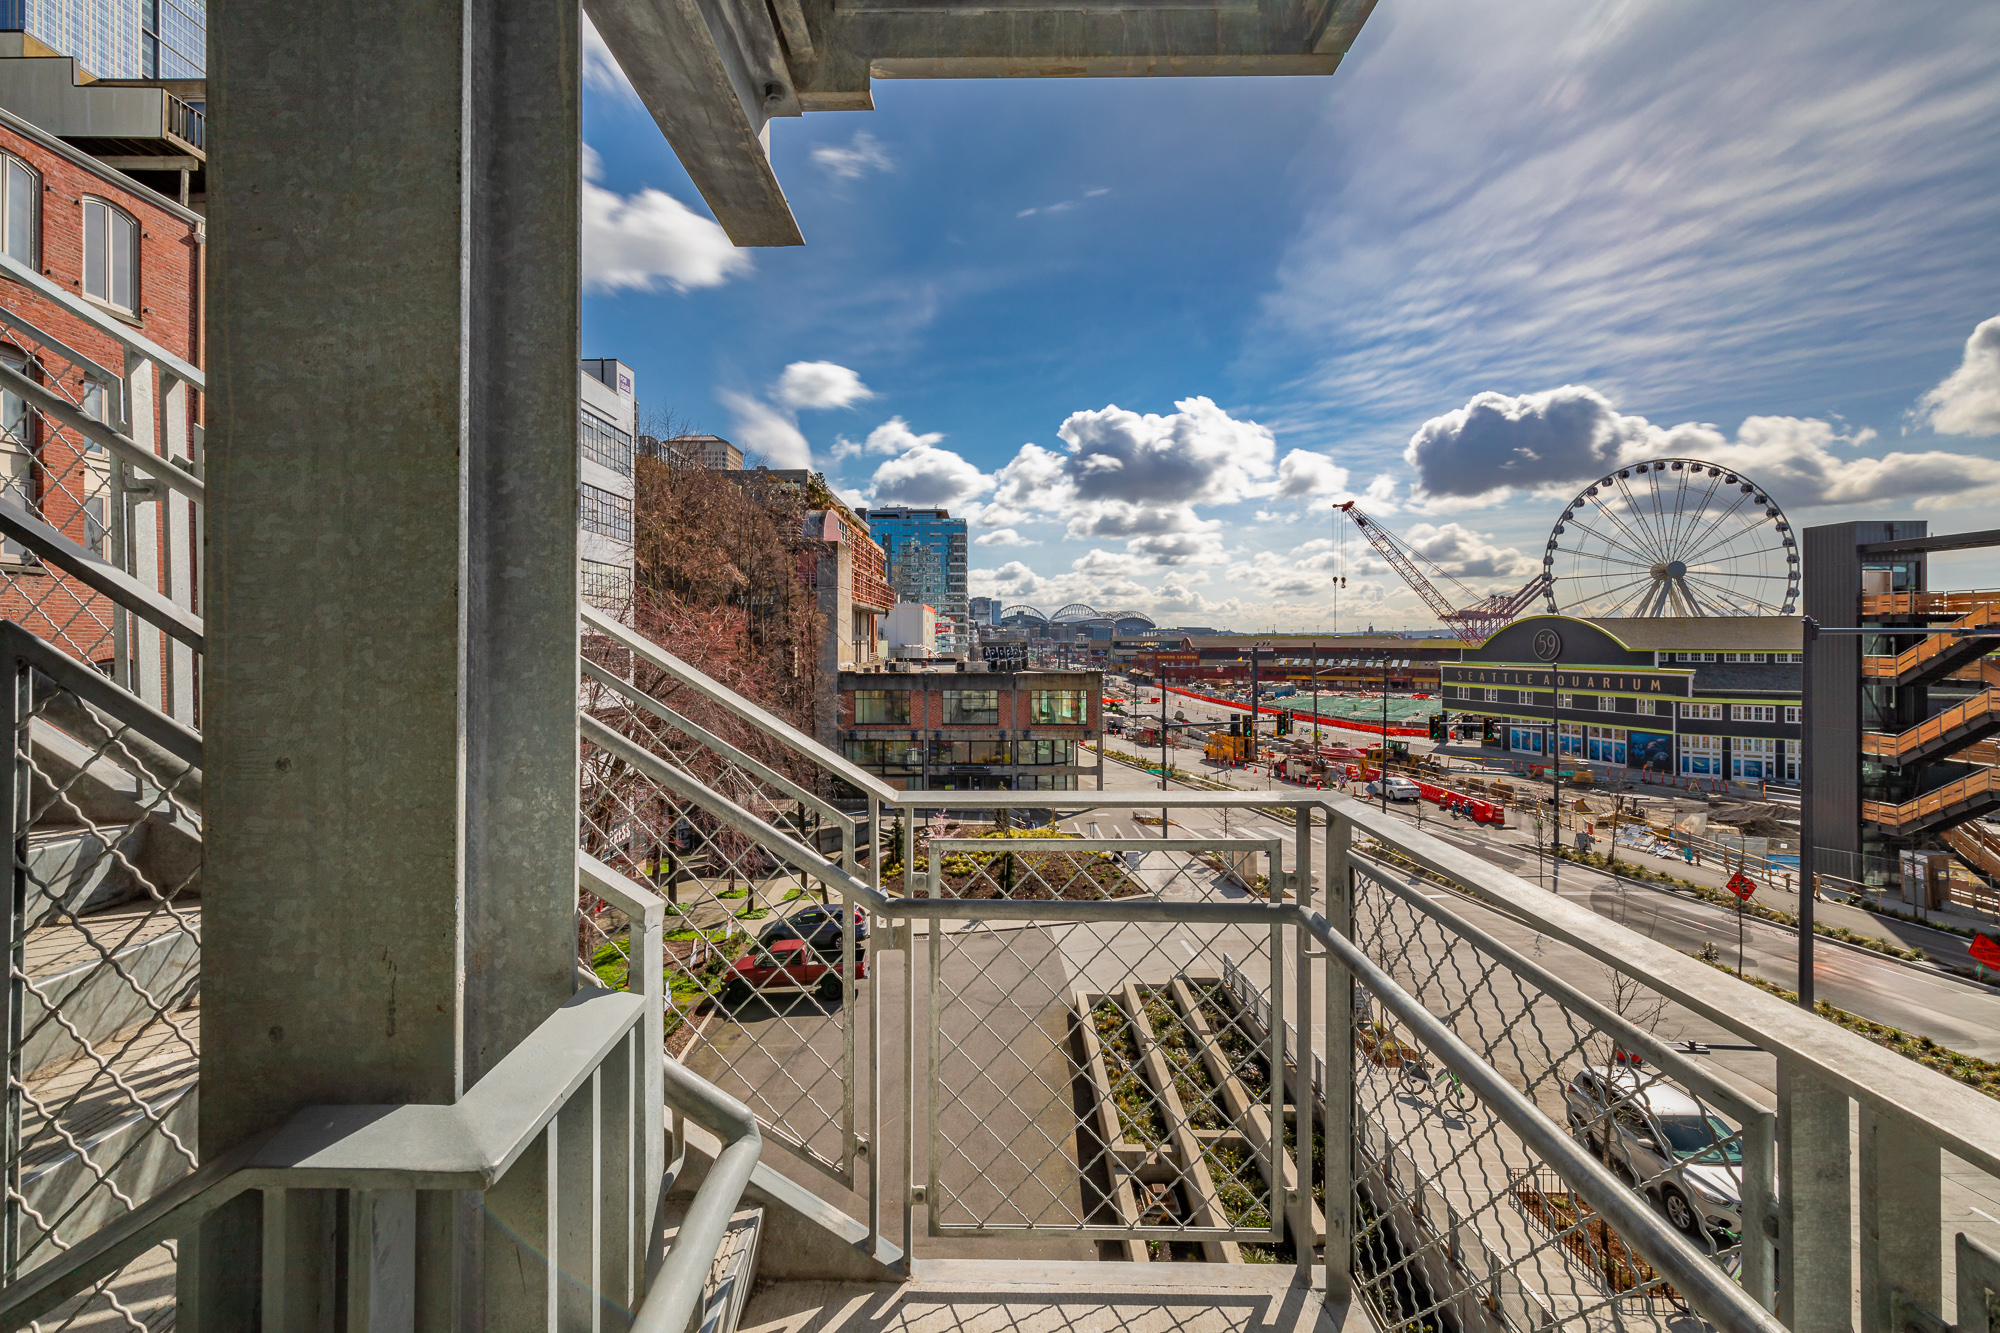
118 39
926 551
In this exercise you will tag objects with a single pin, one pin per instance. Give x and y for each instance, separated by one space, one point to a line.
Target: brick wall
169 314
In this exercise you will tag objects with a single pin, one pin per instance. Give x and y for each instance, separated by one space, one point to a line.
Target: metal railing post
1302 1055
874 1153
14 794
1900 1206
1339 1089
1815 1216
1760 1218
909 942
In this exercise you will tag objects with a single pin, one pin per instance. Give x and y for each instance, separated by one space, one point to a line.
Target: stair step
157 950
735 1268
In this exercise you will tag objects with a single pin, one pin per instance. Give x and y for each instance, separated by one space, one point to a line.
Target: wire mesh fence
105 942
1456 1210
1089 1074
765 962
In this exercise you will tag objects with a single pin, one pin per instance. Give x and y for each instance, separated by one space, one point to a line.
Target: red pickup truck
789 964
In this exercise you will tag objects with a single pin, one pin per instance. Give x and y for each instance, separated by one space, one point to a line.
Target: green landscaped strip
1967 1069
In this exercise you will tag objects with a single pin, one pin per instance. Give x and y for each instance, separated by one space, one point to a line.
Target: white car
1400 789
1688 1161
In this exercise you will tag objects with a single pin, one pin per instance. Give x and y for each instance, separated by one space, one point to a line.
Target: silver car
1689 1161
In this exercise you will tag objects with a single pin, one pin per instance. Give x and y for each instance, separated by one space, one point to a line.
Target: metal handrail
1711 1291
124 334
120 446
1963 1120
639 699
669 1305
1930 729
467 1145
1896 815
53 547
661 660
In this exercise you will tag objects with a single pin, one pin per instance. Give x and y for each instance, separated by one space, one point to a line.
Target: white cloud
1002 537
601 71
763 429
861 156
923 474
649 239
819 385
1552 441
1466 554
1968 401
1303 473
1693 203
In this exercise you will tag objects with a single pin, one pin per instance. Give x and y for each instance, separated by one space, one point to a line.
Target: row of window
943 753
1747 758
110 236
972 708
1728 657
606 586
604 444
1608 703
605 514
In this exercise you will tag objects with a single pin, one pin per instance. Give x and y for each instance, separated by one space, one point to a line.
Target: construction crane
1474 621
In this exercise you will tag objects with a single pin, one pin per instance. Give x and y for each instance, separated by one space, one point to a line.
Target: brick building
940 728
97 265
848 572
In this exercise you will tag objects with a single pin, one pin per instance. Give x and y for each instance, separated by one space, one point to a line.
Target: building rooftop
1764 634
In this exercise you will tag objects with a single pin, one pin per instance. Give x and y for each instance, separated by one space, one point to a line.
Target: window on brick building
875 707
22 208
17 460
1053 708
971 708
110 255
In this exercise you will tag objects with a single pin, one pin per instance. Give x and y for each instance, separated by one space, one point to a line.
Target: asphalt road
1961 1015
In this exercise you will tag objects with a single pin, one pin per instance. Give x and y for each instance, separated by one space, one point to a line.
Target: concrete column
390 687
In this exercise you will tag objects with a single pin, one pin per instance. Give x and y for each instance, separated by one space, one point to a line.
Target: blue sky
1145 332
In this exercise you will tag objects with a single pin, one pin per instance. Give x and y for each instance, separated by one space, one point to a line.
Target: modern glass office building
118 39
927 547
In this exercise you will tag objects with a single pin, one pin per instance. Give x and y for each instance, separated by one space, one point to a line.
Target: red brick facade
168 313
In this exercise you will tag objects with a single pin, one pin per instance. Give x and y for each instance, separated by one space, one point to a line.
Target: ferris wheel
1672 537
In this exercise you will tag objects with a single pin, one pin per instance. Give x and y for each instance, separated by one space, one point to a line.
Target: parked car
789 963
1400 789
1683 1158
818 926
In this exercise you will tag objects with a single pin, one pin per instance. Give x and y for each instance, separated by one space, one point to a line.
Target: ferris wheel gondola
1672 537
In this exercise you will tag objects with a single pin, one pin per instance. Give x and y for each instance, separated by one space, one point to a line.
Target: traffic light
1284 724
1437 726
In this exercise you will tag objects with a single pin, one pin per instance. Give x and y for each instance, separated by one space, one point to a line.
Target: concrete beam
712 73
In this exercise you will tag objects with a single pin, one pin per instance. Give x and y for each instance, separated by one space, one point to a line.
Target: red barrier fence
1372 728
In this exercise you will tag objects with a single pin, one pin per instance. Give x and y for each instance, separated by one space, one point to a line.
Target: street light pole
1383 768
1808 862
1555 778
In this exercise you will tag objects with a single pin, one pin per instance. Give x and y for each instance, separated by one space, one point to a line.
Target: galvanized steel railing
1075 1014
107 459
